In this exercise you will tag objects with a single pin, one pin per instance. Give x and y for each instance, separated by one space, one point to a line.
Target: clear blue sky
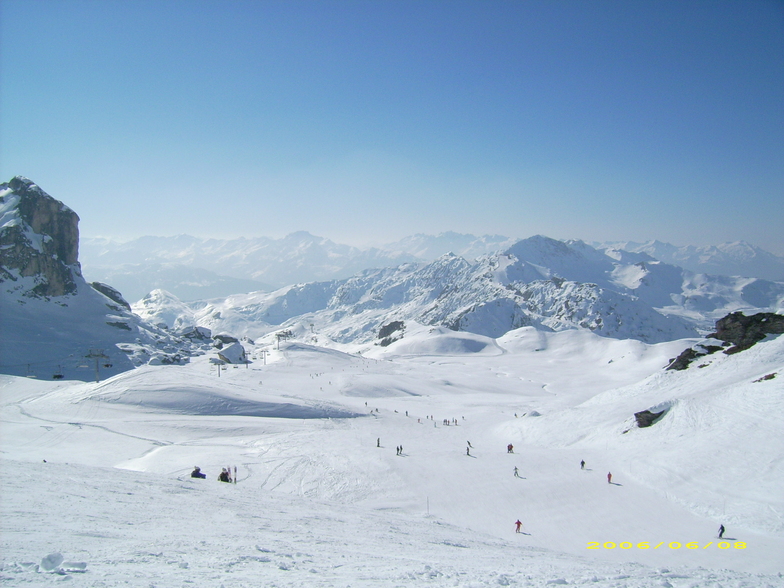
366 121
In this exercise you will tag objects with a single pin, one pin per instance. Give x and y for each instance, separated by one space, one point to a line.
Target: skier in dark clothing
721 531
582 464
197 473
224 476
518 524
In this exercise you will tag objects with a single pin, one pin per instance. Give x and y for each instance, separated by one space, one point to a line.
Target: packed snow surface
392 468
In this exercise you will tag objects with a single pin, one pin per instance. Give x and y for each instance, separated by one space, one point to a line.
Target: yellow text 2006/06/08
670 545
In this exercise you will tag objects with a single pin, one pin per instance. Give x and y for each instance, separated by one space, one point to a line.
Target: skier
197 473
224 476
721 531
518 524
582 464
378 442
609 478
517 473
468 451
510 448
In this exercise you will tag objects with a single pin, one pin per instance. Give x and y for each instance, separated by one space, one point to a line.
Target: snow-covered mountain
195 269
736 258
52 322
539 281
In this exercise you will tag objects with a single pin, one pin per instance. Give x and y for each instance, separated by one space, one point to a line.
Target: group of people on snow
224 476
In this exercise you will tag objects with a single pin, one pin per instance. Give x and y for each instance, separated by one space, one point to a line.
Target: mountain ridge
196 268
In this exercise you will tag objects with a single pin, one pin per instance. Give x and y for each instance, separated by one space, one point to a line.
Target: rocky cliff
53 324
39 239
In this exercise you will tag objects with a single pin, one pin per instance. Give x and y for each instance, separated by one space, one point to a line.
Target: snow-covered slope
329 500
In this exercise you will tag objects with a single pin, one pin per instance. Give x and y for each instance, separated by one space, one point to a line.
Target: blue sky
366 121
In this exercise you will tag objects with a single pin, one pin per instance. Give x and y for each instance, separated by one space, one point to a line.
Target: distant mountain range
737 258
538 282
195 269
52 317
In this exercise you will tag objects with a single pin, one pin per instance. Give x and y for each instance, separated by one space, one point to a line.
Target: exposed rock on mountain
737 330
646 418
111 293
39 238
391 332
685 359
744 331
54 324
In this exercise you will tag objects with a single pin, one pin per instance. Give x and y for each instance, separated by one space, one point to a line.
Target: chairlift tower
96 354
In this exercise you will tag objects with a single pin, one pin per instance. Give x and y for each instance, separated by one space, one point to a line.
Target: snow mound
442 341
183 394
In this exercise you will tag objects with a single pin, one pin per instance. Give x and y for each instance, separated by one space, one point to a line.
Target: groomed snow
324 499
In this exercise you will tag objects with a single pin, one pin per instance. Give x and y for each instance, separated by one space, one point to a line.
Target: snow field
319 504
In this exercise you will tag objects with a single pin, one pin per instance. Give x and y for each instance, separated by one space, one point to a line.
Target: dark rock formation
765 378
391 332
689 355
390 328
40 239
744 331
111 293
646 418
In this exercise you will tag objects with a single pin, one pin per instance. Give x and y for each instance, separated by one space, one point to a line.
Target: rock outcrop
744 331
689 355
111 293
39 238
735 329
646 418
